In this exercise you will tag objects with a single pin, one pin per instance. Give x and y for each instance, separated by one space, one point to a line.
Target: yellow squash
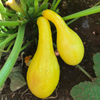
69 44
43 72
15 6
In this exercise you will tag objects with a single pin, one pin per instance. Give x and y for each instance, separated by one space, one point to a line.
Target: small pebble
85 24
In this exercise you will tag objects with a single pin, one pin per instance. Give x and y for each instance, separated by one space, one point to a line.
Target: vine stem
8 39
36 5
13 23
86 12
55 6
87 74
6 69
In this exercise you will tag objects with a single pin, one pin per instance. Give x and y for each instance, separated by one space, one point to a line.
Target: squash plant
13 23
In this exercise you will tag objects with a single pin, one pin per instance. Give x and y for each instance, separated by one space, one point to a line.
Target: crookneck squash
43 72
69 44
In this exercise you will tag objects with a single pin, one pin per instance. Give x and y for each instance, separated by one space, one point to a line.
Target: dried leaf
17 79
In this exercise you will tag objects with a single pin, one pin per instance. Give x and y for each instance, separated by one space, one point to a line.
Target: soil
88 28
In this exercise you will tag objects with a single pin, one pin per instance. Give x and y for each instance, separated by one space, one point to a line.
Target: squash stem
8 39
13 23
6 69
36 5
53 3
3 35
55 6
72 21
86 12
10 45
87 74
26 45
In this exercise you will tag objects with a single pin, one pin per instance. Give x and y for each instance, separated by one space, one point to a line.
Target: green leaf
86 91
96 67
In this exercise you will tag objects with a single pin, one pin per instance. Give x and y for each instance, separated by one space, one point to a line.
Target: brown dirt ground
88 28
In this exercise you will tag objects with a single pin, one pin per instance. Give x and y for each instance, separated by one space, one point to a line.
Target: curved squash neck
45 38
56 19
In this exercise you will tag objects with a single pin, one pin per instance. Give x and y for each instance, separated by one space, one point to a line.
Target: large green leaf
89 90
96 67
86 91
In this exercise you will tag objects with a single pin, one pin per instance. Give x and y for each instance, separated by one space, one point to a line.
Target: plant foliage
89 90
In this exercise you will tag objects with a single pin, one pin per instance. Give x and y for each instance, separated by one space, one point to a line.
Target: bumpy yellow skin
15 6
69 44
43 72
